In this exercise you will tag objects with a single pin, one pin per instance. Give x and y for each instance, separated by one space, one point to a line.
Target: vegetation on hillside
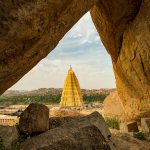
45 99
2 147
94 97
13 100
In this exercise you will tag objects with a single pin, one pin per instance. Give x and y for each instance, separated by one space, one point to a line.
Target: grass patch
112 123
139 135
2 147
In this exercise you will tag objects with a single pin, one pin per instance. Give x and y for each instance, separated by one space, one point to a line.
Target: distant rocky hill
54 91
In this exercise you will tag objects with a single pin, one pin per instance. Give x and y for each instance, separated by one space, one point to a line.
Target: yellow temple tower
71 95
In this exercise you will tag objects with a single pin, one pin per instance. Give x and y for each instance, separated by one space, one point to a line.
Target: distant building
71 95
7 120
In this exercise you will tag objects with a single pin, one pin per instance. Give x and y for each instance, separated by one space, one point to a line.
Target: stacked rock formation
71 95
85 133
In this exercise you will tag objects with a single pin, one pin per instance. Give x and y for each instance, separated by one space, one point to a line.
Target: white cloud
84 29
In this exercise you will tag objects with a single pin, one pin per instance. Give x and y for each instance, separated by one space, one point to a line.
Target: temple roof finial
70 69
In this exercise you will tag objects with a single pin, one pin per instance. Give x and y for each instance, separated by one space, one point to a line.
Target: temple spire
71 95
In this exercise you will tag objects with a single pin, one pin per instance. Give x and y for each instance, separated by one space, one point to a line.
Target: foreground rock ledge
9 136
89 132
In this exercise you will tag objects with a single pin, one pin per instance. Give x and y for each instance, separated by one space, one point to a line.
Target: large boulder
34 119
8 136
89 132
124 30
112 106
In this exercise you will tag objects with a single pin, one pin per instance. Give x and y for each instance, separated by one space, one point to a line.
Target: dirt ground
127 142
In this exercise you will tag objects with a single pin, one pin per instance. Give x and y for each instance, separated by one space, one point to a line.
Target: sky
81 48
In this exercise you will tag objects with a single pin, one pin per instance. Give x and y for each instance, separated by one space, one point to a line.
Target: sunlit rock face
71 95
112 107
126 36
29 30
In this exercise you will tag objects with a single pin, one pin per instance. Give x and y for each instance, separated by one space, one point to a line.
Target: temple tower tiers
71 95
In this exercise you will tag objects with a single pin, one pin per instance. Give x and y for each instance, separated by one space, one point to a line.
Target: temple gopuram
71 95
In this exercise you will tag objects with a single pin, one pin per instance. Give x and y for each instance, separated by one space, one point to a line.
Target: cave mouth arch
30 30
34 30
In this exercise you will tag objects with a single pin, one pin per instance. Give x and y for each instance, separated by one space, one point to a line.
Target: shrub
139 135
2 147
112 123
17 145
94 97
